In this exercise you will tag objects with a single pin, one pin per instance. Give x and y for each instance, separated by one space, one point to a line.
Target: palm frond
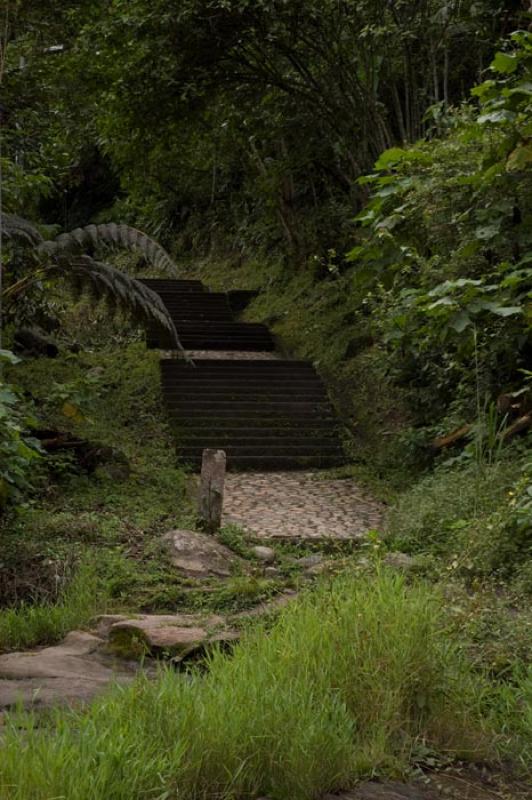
104 282
19 229
110 235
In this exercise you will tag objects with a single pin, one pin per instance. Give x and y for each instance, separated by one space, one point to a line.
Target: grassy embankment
360 677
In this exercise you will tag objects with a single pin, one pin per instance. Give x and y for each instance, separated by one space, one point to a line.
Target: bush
18 450
478 520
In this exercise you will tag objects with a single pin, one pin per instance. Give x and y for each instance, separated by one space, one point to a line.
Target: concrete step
268 439
268 406
171 284
264 369
276 462
243 393
238 449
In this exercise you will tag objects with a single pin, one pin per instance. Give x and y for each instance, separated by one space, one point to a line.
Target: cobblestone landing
299 505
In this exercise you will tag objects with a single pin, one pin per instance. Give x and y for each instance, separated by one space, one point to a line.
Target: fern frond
103 281
19 229
113 236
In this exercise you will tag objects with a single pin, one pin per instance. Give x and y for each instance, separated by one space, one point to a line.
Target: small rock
317 569
265 554
115 471
32 342
198 555
309 561
400 561
96 372
271 572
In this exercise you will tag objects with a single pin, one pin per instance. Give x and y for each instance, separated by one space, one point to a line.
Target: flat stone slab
387 791
460 785
199 555
300 506
71 672
179 635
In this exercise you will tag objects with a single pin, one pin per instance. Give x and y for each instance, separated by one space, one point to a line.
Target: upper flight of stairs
204 320
266 413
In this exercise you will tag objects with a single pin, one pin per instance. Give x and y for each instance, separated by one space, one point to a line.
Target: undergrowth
77 604
357 678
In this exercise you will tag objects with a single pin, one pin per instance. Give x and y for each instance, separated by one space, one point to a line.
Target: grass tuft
31 625
354 679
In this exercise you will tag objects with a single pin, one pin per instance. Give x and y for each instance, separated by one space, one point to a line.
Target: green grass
464 519
44 623
359 677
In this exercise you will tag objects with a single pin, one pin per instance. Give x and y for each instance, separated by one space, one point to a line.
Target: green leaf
487 232
504 311
496 116
520 158
504 62
443 301
390 157
9 357
460 321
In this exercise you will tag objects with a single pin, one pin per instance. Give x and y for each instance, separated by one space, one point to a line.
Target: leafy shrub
448 248
477 520
18 450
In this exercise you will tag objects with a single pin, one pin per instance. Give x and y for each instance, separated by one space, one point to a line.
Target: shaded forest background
366 165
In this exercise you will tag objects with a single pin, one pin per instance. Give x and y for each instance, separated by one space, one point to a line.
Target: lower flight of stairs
266 413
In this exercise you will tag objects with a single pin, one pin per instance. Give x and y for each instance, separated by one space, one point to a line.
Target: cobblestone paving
299 505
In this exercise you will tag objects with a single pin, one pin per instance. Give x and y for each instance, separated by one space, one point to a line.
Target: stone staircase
204 320
265 412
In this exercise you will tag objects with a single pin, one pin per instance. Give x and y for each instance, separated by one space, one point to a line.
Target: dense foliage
251 121
448 251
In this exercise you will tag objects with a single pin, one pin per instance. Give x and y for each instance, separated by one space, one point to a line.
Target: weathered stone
68 673
105 621
198 555
96 372
265 554
33 342
308 562
271 572
175 634
114 471
319 569
211 490
400 561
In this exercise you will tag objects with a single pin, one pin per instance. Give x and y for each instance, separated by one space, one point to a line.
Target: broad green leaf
520 158
504 311
9 357
496 117
443 301
460 321
487 232
72 411
504 62
390 157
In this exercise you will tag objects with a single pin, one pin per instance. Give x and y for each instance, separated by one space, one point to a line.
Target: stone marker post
211 491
